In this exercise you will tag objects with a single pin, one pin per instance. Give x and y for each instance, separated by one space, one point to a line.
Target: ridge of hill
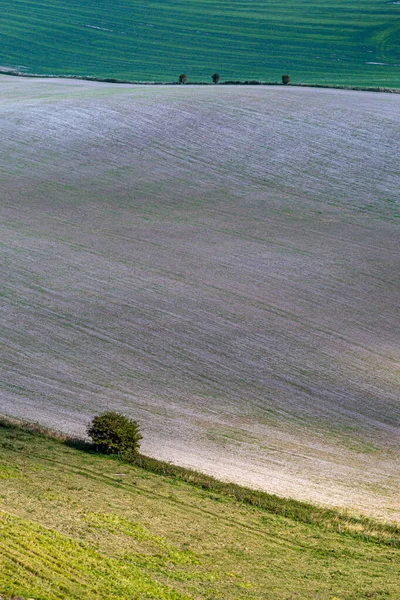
327 43
78 525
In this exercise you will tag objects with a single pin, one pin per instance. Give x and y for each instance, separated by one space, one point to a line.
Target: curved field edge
335 43
386 90
329 519
238 297
82 525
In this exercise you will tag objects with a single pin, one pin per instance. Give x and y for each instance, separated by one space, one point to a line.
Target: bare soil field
221 264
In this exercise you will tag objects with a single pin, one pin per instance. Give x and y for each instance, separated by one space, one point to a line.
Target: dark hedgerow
114 433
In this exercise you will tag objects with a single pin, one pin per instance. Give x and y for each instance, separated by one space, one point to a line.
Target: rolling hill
78 525
221 263
334 42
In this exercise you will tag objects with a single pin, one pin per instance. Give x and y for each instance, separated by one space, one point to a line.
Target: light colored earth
221 263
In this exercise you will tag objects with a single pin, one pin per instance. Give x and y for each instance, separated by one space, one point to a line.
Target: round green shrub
114 433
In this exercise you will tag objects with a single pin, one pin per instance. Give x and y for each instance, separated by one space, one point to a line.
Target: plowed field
220 263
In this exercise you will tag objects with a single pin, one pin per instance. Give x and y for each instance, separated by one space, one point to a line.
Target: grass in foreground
80 525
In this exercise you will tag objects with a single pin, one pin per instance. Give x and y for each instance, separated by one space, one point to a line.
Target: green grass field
76 525
335 42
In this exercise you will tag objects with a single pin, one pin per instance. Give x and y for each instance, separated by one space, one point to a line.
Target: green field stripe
158 39
41 558
65 537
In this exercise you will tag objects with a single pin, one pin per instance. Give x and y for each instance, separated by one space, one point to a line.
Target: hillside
335 42
221 264
79 525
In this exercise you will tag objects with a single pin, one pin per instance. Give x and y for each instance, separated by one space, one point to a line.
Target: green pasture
318 41
76 525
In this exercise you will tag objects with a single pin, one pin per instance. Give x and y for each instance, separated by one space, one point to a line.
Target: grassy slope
221 264
77 525
316 42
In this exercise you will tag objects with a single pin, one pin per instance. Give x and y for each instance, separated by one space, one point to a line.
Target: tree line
216 78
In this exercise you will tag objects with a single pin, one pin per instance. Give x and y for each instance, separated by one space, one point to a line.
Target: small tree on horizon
114 433
183 78
216 77
285 79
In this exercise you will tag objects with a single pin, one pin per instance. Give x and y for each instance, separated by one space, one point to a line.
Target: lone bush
114 433
285 79
216 77
183 78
